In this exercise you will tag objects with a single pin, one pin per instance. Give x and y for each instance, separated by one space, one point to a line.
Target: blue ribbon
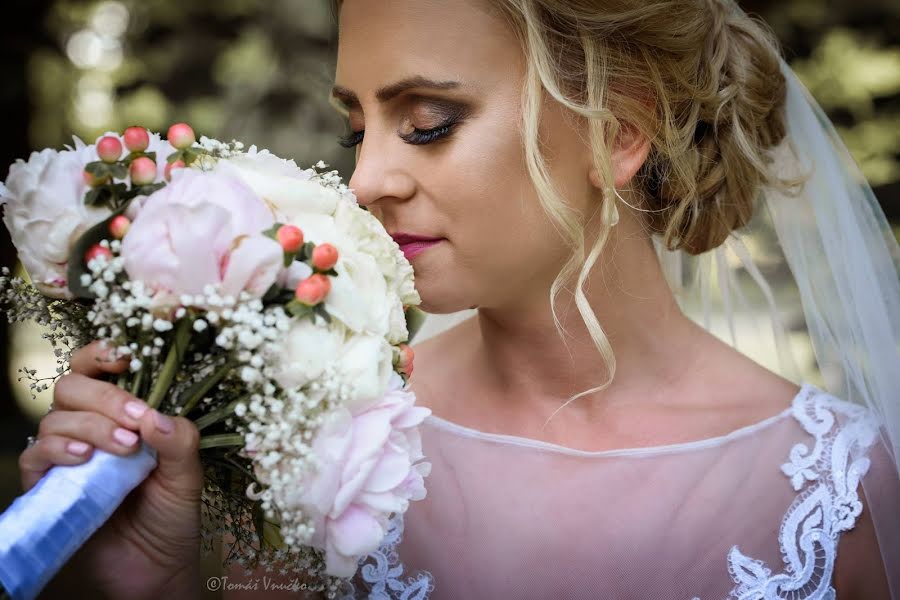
43 528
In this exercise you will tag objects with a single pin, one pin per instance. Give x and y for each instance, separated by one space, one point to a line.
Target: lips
409 238
412 245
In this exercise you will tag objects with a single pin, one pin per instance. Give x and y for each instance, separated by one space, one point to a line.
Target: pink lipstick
412 244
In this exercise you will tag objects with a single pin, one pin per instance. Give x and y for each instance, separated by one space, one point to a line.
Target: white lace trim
380 572
827 478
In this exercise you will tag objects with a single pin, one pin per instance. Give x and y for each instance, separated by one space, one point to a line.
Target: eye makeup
449 115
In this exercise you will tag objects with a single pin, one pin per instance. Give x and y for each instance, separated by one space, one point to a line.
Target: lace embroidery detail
827 478
381 572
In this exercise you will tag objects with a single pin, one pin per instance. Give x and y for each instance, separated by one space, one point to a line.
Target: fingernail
164 423
77 448
125 437
135 409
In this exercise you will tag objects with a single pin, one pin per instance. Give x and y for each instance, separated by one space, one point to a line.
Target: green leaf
305 251
298 309
118 170
415 318
76 266
319 309
272 231
98 169
177 155
94 197
144 190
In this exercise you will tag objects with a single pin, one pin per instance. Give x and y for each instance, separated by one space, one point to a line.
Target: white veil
836 306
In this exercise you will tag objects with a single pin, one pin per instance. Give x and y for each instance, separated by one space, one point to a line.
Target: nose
380 174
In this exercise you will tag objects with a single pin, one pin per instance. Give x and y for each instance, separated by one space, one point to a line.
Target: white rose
308 349
359 294
45 212
372 239
397 331
366 364
363 362
288 188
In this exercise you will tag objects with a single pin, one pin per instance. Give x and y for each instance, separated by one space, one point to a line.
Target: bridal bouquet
249 295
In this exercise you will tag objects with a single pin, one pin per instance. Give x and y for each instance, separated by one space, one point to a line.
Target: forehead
380 41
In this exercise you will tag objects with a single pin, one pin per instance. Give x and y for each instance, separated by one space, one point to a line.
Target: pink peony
203 228
368 469
45 212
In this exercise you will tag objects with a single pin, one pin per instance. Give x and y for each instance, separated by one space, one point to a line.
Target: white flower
359 295
308 349
289 189
45 212
371 238
362 363
366 363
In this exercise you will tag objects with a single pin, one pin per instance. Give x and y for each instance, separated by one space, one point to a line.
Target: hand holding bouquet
246 294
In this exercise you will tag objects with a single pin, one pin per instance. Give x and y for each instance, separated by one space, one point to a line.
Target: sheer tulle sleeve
870 557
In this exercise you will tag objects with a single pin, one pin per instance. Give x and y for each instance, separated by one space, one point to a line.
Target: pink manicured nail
77 448
125 437
135 409
164 423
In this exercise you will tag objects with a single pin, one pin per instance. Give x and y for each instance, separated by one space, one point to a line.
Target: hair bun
704 182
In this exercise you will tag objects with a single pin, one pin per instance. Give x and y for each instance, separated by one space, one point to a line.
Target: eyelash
418 137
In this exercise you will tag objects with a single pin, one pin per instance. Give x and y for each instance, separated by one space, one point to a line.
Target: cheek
498 229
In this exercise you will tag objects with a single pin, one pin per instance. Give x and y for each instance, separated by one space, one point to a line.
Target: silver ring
32 440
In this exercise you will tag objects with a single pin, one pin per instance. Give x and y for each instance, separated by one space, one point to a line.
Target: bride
540 161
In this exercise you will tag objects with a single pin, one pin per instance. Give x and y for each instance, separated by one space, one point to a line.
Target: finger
95 359
48 451
177 444
95 429
77 392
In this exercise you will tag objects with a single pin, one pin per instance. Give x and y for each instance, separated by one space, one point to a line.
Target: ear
629 153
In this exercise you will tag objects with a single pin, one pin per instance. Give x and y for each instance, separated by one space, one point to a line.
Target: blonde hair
699 78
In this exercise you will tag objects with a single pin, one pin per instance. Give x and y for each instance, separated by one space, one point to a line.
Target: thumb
177 443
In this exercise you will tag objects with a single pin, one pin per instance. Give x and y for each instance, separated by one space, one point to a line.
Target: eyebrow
395 89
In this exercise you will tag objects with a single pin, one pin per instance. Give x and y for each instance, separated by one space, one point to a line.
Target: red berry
290 237
405 363
92 181
312 290
142 171
181 136
109 149
324 256
96 251
136 139
178 164
119 225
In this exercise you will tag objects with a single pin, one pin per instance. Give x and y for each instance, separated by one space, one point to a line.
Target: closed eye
416 137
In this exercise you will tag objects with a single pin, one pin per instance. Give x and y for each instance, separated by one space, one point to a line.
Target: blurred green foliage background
262 71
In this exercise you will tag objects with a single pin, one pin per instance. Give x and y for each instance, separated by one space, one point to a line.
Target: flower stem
173 360
223 439
196 393
219 414
136 383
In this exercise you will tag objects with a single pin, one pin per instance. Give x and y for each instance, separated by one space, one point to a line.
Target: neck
522 357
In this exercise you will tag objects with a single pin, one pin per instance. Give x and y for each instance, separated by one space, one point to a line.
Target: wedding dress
758 513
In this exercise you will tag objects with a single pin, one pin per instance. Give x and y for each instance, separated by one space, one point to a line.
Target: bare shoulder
726 392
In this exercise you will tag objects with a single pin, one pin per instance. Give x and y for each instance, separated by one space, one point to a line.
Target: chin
440 302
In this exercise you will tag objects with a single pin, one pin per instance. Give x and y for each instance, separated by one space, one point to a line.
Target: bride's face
433 89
